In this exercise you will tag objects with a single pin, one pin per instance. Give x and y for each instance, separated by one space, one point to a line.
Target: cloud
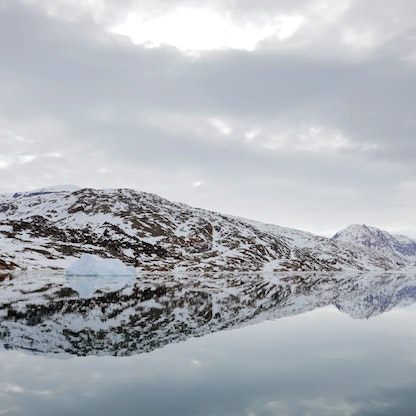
349 27
271 133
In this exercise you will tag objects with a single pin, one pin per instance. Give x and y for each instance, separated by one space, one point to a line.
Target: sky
294 112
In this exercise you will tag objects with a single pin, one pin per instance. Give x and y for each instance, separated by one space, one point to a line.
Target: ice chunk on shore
90 265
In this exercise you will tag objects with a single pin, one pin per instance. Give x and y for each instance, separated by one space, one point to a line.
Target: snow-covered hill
397 247
51 227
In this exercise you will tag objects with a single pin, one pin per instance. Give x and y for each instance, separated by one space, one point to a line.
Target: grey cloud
74 72
98 90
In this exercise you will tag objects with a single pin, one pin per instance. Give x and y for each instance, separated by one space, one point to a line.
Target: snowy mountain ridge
398 247
52 227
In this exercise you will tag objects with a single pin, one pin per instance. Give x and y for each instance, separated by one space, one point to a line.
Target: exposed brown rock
7 265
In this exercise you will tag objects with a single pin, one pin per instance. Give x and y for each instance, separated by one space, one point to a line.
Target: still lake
303 344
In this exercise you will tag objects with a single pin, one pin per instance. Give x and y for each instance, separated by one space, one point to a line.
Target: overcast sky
295 112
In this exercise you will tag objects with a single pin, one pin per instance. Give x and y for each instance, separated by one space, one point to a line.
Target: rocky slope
50 228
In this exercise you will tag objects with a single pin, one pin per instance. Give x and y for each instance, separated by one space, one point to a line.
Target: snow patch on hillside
47 190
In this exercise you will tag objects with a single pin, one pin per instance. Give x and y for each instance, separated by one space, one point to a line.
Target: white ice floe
90 265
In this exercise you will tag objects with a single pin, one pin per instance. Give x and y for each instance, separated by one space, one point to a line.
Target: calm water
292 354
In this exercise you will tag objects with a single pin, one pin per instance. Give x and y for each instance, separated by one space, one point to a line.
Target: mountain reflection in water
96 316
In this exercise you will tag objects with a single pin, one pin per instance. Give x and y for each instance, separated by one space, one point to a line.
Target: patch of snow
58 188
47 190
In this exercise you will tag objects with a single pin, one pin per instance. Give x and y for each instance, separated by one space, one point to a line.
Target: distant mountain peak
357 228
397 247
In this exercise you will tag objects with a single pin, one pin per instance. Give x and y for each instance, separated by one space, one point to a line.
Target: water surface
181 345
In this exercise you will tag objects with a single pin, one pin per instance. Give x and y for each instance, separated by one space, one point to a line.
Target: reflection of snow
86 287
91 273
89 265
119 315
